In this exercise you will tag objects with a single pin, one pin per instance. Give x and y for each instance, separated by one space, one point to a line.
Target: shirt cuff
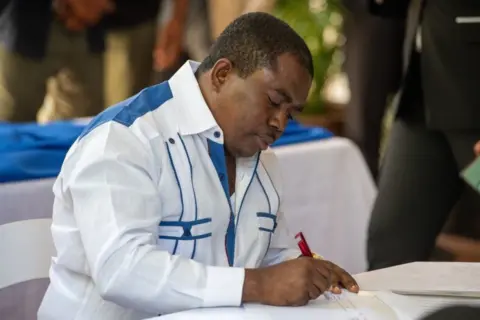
291 254
224 287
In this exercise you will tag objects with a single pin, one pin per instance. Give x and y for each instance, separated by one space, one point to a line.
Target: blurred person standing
222 12
197 39
133 38
373 52
38 39
436 124
206 20
193 44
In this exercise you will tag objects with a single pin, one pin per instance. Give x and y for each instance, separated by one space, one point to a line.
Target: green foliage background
310 18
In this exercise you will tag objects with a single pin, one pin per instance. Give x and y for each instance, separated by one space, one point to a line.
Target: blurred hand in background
78 15
169 42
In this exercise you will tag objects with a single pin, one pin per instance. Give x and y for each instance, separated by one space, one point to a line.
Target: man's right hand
291 283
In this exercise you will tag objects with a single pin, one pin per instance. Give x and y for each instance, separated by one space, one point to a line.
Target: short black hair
254 41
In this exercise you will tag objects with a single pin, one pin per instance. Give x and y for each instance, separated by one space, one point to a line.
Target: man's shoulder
136 111
136 126
269 163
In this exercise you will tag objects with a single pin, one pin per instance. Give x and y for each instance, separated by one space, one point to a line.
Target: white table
385 305
328 195
389 307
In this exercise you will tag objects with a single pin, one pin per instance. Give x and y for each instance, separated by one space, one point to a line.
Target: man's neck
204 85
231 162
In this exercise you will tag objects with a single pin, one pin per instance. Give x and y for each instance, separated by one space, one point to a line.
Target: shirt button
221 176
216 134
171 141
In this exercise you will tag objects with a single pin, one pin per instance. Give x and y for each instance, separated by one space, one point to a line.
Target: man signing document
170 200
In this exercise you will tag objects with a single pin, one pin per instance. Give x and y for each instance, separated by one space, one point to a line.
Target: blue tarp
32 151
298 133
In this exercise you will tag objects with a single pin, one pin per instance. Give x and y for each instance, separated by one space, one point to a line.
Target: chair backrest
26 247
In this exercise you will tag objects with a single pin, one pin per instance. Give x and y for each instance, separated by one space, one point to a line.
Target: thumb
476 149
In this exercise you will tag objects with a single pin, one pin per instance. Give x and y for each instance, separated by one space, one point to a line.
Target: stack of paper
425 286
456 279
417 307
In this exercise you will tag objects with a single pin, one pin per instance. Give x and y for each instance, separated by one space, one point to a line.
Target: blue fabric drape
31 151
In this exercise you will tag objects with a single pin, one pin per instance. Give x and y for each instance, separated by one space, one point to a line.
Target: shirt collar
194 115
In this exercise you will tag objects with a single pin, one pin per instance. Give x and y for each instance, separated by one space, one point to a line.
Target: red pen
305 249
303 245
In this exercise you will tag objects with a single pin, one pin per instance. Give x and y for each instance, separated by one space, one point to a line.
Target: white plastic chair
26 249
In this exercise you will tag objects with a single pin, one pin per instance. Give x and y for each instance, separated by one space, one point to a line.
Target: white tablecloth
385 305
328 195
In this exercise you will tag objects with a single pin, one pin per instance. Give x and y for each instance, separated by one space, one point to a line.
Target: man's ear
222 69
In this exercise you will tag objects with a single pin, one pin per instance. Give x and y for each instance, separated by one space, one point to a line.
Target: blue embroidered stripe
184 223
129 110
267 215
186 238
193 189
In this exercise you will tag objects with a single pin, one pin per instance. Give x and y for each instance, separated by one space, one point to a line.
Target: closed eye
277 105
273 103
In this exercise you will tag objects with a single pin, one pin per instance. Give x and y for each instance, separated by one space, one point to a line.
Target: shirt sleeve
111 180
282 245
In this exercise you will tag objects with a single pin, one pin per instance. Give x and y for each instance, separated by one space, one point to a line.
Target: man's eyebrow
288 99
284 94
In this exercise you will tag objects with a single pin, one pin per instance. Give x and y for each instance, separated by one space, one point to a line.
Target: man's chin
246 153
243 151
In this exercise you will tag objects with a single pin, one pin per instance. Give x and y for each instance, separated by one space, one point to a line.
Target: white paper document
346 306
417 307
425 278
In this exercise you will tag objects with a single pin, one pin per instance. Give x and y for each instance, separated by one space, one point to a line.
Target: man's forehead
290 78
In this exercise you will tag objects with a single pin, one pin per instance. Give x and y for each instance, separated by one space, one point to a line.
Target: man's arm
180 10
170 37
117 209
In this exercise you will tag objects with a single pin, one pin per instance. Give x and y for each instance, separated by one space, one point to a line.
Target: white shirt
142 221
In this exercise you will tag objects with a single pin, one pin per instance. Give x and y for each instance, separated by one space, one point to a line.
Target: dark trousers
373 66
419 185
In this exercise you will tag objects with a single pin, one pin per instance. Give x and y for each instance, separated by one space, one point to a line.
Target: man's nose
279 121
